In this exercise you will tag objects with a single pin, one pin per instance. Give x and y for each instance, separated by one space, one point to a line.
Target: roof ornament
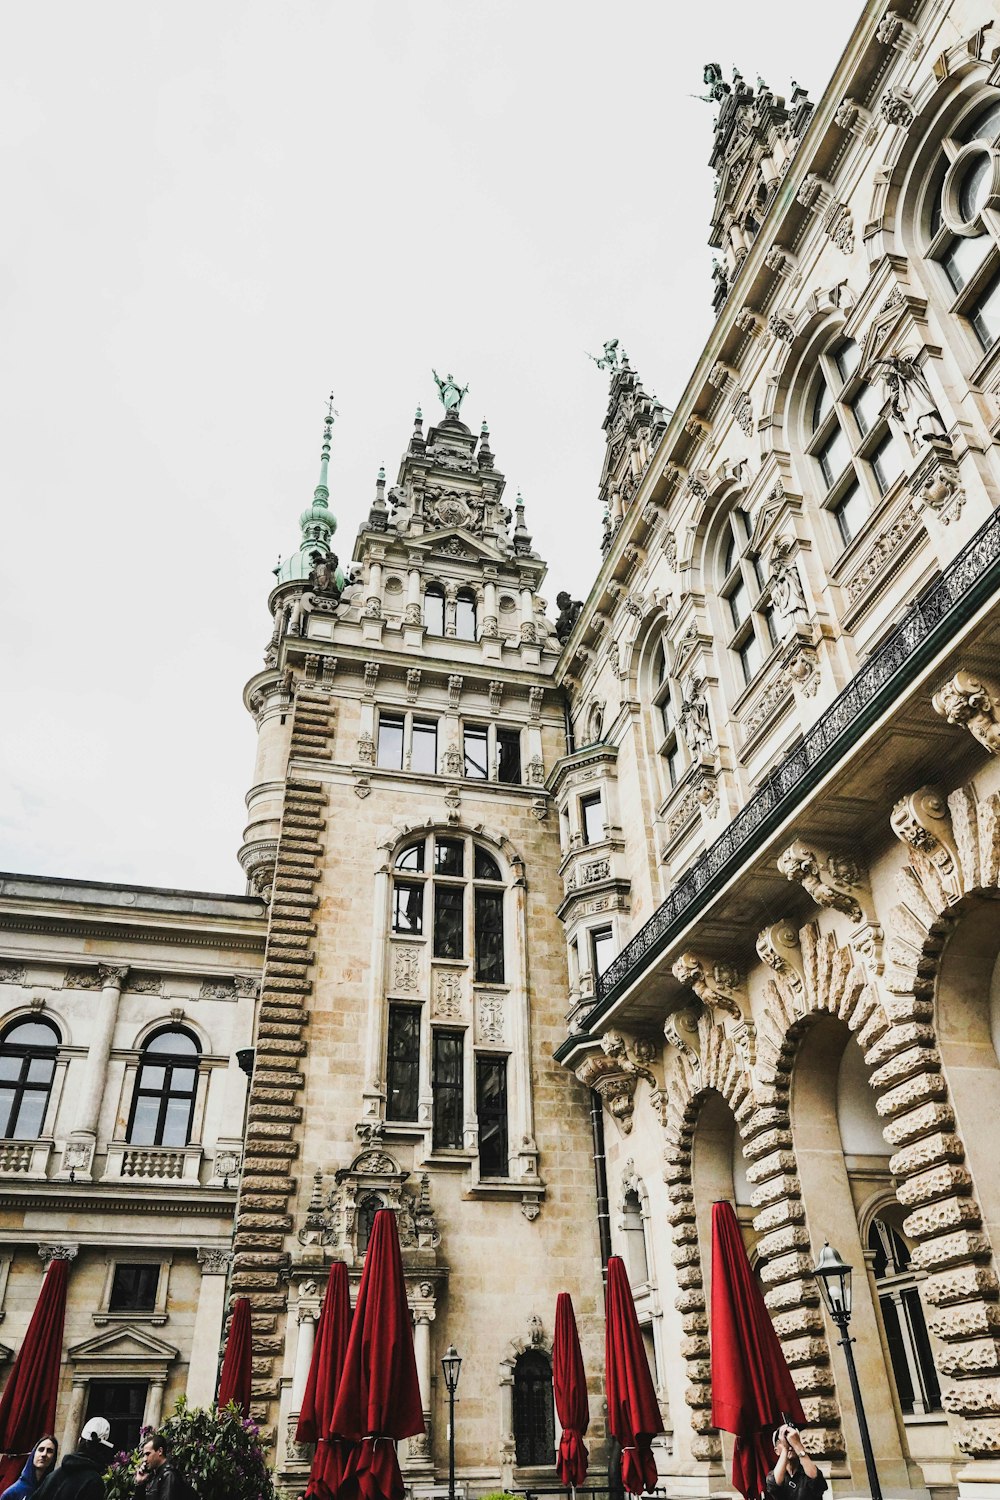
718 88
451 393
609 359
324 461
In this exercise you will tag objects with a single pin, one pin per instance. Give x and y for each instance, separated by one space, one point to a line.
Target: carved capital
967 701
112 976
49 1253
214 1262
829 886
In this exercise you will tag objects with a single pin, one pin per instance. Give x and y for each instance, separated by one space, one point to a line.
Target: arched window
534 1420
855 457
465 615
635 1239
664 722
749 616
903 1320
434 609
165 1090
27 1063
963 227
367 1209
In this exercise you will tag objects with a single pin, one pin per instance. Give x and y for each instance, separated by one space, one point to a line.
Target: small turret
317 523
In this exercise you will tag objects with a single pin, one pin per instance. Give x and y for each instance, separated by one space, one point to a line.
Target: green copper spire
317 522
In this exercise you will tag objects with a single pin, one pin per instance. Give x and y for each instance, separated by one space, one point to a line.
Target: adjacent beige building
565 922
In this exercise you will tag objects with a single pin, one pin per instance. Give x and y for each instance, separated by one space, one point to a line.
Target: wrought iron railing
928 624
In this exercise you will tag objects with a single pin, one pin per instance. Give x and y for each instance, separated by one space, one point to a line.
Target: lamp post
834 1277
451 1364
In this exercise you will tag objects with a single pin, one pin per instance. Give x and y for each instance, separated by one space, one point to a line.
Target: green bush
218 1453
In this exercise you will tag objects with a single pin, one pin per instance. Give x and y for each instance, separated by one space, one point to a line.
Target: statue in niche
695 725
451 394
910 399
786 585
298 614
569 610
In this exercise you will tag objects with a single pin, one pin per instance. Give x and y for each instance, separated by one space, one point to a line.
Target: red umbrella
751 1383
378 1399
321 1389
633 1411
569 1381
237 1362
28 1404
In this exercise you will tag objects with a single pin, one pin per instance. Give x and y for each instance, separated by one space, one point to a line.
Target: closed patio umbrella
28 1404
569 1381
325 1370
237 1362
752 1385
633 1410
378 1399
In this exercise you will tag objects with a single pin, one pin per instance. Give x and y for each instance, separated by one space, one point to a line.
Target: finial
322 492
381 473
484 430
418 416
522 537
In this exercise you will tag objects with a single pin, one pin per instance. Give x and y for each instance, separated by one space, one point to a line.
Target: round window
971 184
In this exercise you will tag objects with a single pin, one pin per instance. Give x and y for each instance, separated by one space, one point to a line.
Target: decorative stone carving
405 968
743 412
491 1018
217 989
49 1253
936 482
681 1031
839 226
413 676
452 761
371 678
886 549
214 1262
896 107
82 979
922 821
535 696
614 1075
412 615
447 999
802 670
11 973
454 689
966 701
901 35
801 864
694 722
787 594
781 324
145 984
495 695
535 770
853 117
780 948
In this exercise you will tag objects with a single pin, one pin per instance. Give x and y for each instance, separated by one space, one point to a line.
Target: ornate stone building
694 882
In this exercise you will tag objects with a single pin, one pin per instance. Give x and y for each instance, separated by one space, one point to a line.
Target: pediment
455 541
123 1343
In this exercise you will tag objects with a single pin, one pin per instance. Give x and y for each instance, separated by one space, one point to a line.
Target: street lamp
451 1364
834 1277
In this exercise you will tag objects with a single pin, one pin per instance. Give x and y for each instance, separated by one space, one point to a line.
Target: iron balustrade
966 583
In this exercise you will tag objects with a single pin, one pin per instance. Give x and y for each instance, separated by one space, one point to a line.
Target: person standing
41 1461
80 1476
157 1478
794 1476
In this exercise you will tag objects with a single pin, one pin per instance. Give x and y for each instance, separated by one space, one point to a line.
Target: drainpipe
601 1179
570 737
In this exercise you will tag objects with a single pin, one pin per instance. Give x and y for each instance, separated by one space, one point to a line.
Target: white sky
215 213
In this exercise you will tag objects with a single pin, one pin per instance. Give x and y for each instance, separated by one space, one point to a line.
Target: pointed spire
322 491
317 523
417 440
522 537
378 516
485 456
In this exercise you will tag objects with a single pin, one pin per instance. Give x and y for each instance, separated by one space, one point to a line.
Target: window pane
486 866
182 1080
177 1123
407 907
474 743
174 1042
602 945
491 1109
772 629
446 1083
886 461
448 901
984 314
983 127
41 1069
465 618
729 562
974 188
897 1354
739 604
509 756
673 763
390 742
10 1067
834 456
866 407
534 1424
847 358
133 1288
449 857
411 858
28 1125
403 1068
963 257
751 658
424 746
123 1404
143 1129
151 1077
32 1034
852 512
7 1097
434 611
592 817
489 936
822 406
913 1312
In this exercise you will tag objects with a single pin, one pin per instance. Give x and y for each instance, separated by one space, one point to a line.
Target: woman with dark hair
41 1461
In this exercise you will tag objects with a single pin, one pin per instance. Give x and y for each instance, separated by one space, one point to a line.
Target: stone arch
389 845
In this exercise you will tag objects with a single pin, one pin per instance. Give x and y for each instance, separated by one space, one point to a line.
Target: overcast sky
213 214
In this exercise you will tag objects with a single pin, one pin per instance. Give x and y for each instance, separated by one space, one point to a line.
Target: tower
415 978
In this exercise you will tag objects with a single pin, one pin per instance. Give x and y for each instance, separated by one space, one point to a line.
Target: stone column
373 599
203 1365
420 1450
74 1414
490 614
527 611
154 1403
450 608
306 1317
95 1075
414 613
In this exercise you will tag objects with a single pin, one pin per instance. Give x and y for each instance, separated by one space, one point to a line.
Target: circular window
971 184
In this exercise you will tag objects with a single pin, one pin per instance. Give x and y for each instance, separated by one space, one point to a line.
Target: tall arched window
963 220
434 609
163 1103
903 1320
855 457
664 722
367 1209
465 615
27 1063
534 1419
749 616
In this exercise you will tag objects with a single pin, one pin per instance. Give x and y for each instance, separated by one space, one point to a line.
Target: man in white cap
80 1476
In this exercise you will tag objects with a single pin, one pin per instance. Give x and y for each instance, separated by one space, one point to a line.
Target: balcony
913 746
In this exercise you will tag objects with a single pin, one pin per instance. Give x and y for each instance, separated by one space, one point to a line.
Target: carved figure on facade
694 721
923 822
609 359
910 399
615 1076
966 701
450 392
787 594
569 610
801 864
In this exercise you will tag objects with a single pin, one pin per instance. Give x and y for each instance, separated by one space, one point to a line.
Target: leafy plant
218 1453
